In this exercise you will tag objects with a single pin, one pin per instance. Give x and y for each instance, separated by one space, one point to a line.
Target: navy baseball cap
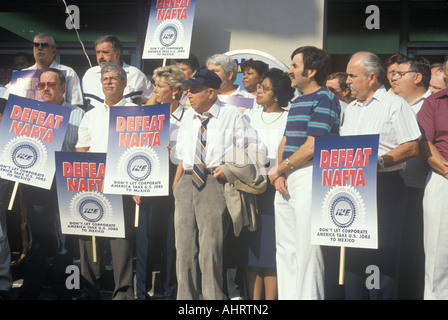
204 77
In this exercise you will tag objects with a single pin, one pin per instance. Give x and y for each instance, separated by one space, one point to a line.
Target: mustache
109 86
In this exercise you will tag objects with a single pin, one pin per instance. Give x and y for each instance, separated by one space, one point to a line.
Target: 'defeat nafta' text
139 131
84 176
34 123
344 166
172 9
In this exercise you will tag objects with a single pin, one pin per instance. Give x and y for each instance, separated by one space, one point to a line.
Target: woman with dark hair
253 71
273 94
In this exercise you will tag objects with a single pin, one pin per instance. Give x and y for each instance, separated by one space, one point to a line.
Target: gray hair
373 64
114 67
45 35
226 62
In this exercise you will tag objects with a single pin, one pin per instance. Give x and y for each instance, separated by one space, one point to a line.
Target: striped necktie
199 165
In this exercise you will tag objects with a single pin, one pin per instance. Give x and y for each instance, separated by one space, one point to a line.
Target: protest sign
344 191
83 207
31 132
344 210
240 102
137 159
170 26
243 55
24 83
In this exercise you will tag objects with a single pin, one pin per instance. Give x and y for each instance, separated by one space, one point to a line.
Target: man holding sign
41 205
376 111
93 137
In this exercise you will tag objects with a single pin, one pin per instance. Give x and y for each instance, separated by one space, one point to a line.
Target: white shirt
94 129
228 128
385 114
417 104
2 90
138 88
270 128
175 121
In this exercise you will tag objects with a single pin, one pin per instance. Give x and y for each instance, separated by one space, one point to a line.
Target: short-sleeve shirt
433 119
71 135
315 114
94 129
385 114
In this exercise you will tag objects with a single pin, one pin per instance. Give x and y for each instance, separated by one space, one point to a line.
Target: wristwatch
288 163
381 162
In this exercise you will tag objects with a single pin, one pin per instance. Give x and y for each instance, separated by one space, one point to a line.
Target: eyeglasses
50 85
400 74
41 44
107 79
263 88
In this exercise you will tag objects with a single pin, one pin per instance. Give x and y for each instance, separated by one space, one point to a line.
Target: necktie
199 165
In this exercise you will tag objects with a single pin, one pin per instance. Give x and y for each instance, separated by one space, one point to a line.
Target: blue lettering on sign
24 156
139 168
90 210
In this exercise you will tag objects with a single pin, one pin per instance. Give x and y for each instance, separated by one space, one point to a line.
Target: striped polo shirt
71 135
315 114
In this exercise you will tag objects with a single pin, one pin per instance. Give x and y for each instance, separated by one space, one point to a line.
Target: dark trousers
155 246
391 201
122 250
412 264
46 241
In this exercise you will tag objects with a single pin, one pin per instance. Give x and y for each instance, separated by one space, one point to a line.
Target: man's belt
207 171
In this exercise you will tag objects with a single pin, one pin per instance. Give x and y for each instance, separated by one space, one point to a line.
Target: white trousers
435 221
300 266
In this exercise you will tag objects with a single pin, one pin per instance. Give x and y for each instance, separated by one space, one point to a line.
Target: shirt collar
377 95
178 113
122 102
213 112
424 96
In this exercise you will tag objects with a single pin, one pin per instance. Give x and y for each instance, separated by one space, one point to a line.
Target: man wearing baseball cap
209 129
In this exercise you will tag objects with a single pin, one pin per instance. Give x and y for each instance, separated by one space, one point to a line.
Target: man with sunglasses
109 50
42 208
44 52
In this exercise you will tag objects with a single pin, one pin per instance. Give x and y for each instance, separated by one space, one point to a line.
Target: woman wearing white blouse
274 94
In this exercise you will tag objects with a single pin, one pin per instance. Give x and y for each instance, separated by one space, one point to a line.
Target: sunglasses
50 85
41 44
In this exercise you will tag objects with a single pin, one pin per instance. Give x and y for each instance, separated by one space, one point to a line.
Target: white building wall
276 27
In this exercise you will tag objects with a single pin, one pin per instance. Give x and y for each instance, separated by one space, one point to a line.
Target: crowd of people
237 221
